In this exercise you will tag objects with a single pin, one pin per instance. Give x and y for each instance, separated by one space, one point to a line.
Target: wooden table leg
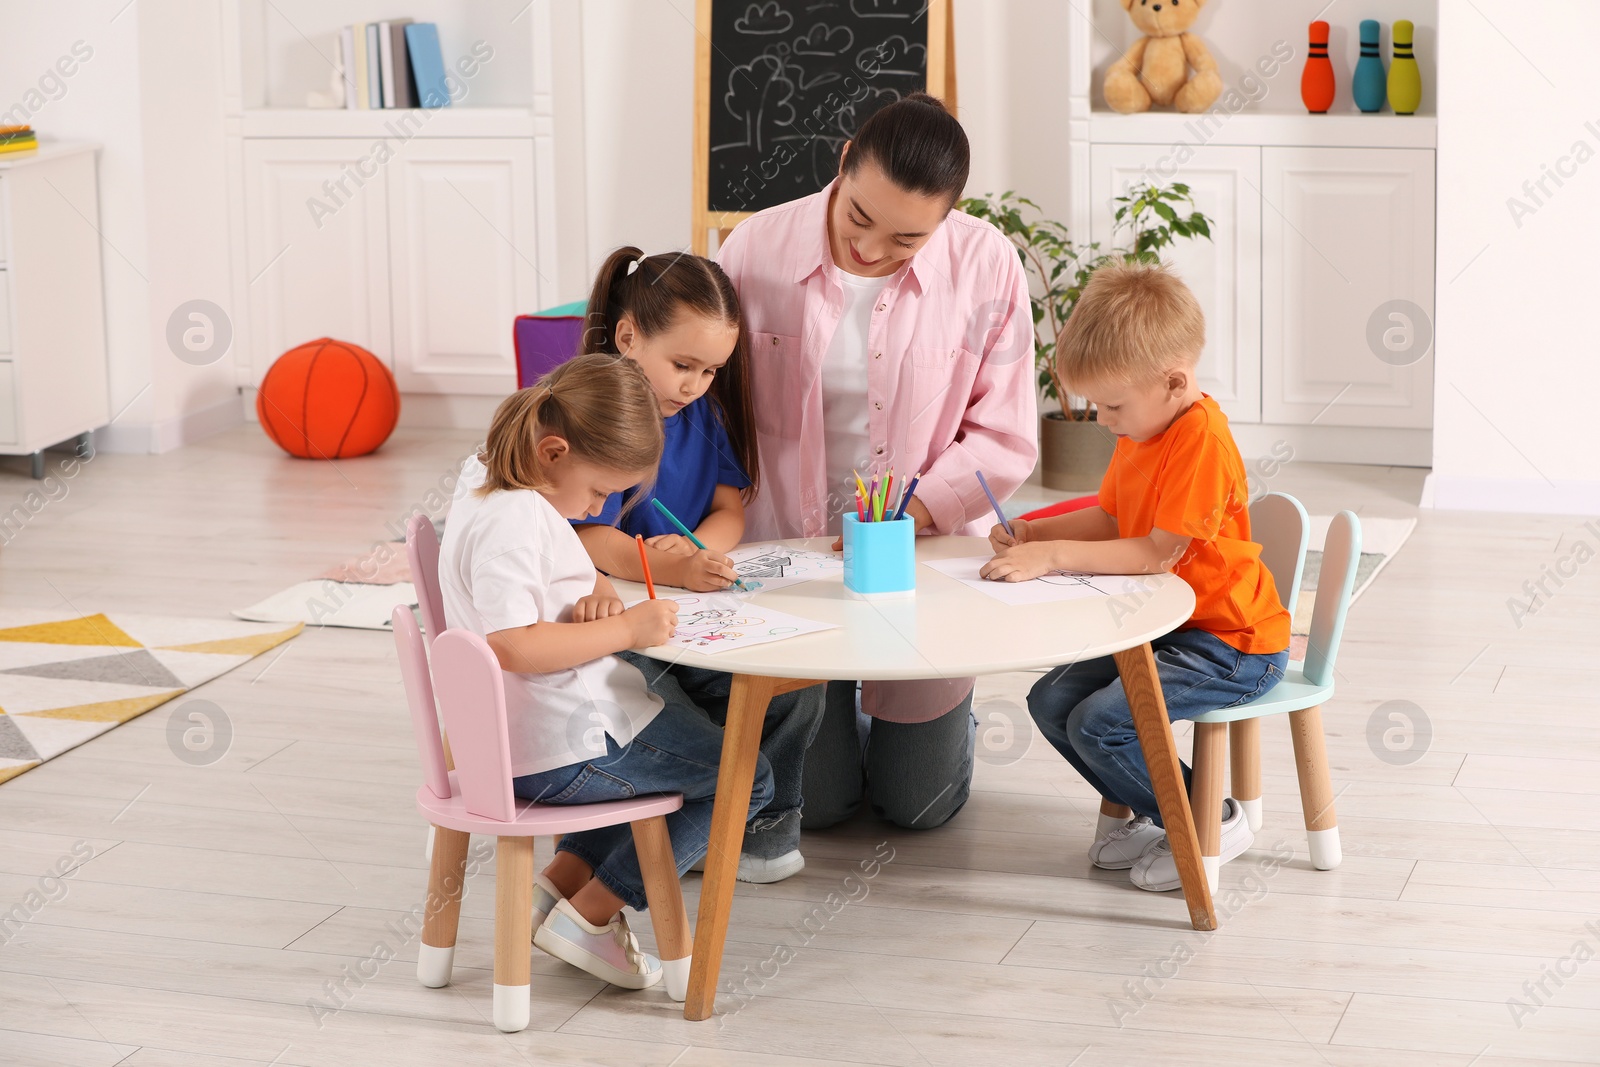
741 744
1143 686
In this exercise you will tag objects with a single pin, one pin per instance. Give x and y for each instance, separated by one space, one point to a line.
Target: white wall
150 95
1514 410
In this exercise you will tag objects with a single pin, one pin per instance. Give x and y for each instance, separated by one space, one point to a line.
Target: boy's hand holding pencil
1001 539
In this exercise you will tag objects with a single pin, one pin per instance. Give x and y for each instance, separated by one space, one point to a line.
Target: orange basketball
328 399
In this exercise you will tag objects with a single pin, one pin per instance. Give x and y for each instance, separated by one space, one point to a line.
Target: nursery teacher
887 330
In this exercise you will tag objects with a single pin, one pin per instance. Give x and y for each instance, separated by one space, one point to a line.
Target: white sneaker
611 953
545 898
1122 847
1157 871
760 871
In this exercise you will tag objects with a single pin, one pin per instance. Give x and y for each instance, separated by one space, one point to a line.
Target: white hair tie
634 265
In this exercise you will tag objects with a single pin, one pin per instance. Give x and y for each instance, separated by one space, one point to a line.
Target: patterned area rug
64 681
1380 540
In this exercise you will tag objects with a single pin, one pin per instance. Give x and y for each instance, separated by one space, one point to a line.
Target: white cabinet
462 233
1350 233
317 262
424 257
53 374
1224 272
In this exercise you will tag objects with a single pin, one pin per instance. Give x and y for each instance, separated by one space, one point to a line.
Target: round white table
947 630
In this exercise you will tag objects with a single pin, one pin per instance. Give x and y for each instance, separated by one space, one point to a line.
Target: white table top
948 630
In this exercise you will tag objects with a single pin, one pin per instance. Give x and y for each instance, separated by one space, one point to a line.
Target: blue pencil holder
880 558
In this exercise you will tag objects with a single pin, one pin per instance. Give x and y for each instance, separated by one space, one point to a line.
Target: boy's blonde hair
1133 323
602 405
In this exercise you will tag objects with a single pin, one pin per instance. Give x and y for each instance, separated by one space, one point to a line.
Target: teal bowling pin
1405 83
1369 83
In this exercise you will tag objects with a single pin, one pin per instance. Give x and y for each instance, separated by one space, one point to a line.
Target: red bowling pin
1316 81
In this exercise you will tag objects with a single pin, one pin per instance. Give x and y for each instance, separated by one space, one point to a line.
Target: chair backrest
543 343
419 696
422 545
1340 557
472 703
1280 525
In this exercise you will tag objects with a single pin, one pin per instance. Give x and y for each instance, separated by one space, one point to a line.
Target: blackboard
784 83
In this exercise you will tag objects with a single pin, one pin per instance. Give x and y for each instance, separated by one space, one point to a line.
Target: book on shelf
17 139
359 50
394 64
374 75
427 65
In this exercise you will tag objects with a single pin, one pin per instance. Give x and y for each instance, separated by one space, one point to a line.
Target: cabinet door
1224 272
462 227
1347 305
318 247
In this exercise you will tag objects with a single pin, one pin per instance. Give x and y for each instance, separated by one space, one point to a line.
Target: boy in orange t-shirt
1174 499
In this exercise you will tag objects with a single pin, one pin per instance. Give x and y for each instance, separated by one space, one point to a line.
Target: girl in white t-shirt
584 727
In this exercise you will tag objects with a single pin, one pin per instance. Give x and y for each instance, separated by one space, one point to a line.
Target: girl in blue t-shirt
678 317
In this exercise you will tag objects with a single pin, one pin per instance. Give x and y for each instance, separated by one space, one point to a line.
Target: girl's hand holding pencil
704 571
652 622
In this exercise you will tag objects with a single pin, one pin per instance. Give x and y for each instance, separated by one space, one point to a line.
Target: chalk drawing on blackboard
764 19
889 9
895 55
824 40
758 97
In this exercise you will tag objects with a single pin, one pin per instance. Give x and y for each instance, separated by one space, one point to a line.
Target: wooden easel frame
941 83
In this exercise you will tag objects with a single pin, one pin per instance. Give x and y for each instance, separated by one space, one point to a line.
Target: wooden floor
246 912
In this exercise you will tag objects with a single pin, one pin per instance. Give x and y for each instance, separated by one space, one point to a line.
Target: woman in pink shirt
887 331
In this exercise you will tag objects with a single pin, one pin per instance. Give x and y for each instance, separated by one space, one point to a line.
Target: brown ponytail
660 289
918 144
601 405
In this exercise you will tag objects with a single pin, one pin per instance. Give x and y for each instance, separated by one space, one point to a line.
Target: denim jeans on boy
790 724
918 774
678 752
1082 710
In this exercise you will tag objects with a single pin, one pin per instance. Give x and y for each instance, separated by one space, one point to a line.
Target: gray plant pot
1073 455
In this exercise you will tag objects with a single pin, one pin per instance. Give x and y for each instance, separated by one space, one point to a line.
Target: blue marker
996 504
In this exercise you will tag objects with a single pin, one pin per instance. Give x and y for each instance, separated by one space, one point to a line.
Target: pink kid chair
477 798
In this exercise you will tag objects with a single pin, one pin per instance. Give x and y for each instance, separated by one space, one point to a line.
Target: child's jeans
1082 710
787 731
678 752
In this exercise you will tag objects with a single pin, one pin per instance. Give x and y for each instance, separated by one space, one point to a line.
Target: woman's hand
596 606
705 571
651 622
1019 563
677 544
999 540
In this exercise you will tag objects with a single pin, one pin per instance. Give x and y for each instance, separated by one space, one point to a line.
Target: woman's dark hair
918 144
654 295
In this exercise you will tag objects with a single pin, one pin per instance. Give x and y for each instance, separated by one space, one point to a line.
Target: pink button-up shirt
950 382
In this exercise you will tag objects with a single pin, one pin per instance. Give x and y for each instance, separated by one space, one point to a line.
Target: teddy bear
1156 69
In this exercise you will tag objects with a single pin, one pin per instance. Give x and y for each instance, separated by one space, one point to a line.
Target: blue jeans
791 723
919 774
678 752
1082 710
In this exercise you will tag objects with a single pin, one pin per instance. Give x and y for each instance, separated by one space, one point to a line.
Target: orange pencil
645 562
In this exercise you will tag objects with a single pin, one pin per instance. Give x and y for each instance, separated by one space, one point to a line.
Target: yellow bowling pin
1405 83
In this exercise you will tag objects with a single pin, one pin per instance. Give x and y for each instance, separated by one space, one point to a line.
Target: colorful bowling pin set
1370 84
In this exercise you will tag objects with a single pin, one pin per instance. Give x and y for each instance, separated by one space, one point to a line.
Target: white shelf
403 123
1286 130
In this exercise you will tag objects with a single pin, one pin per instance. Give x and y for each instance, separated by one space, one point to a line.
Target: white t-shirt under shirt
508 560
846 441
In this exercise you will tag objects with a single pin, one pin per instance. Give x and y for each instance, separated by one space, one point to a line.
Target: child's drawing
716 624
768 567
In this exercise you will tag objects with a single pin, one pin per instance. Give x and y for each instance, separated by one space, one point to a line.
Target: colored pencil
688 533
905 495
644 561
996 504
888 496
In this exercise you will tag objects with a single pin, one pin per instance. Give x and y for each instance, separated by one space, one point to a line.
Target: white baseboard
153 438
1528 495
1380 446
436 411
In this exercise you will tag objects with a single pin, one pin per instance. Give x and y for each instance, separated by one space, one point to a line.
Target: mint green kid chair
1306 686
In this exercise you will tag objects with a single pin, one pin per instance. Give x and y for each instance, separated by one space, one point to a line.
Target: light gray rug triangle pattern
12 744
135 667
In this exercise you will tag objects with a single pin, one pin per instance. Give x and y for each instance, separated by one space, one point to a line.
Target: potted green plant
1074 451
